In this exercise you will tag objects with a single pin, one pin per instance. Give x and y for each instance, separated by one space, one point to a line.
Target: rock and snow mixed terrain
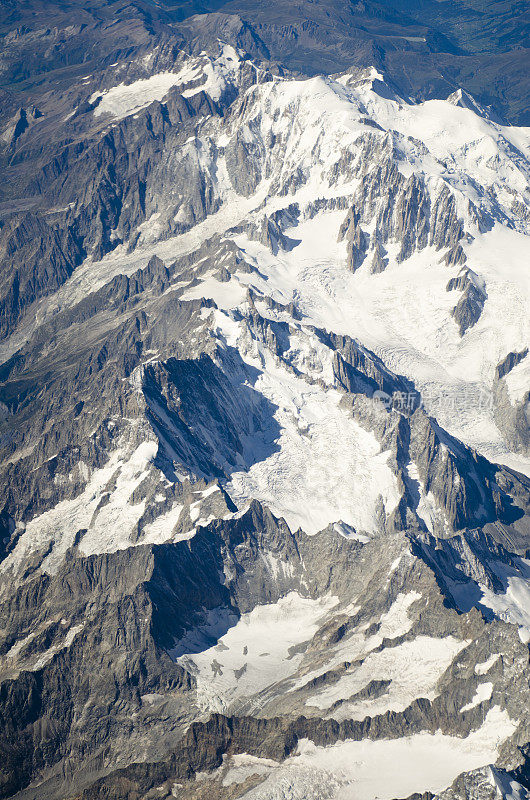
265 440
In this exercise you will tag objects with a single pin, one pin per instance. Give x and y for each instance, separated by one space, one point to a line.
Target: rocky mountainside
264 419
428 48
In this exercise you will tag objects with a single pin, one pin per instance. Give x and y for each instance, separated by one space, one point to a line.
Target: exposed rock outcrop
467 311
356 240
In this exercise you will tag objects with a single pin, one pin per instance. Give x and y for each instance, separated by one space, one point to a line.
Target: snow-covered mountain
265 394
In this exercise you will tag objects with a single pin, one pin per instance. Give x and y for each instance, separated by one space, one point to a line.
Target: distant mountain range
427 48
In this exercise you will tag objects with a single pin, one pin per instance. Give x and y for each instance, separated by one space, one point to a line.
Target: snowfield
403 315
256 653
200 74
374 770
326 469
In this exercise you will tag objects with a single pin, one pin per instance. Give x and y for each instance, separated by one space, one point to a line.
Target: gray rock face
512 417
508 363
36 260
356 240
410 220
405 211
467 311
242 163
379 261
446 229
455 257
486 783
224 566
84 385
99 208
271 234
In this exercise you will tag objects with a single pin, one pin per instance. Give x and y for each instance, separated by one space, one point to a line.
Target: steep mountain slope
265 413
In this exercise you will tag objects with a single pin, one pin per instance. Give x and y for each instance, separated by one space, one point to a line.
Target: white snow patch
47 656
404 316
396 621
242 766
514 604
253 655
161 529
483 692
350 533
14 651
125 99
384 769
413 668
218 74
103 509
225 294
326 467
485 666
151 698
